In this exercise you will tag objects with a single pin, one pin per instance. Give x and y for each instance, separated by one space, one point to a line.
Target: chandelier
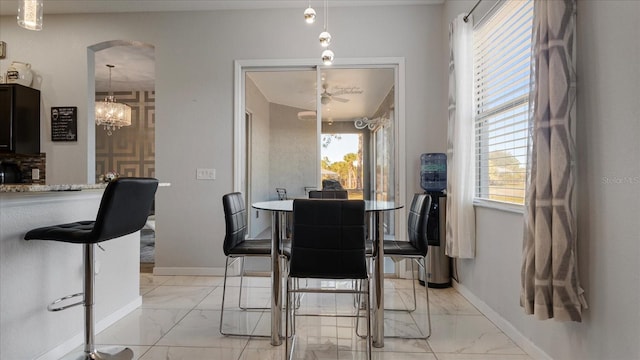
30 14
110 114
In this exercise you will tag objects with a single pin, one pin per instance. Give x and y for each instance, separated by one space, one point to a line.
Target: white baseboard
77 340
189 271
504 325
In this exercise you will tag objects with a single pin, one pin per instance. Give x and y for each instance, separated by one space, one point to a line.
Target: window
502 62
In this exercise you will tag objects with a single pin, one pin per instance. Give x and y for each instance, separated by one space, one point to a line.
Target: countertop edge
35 188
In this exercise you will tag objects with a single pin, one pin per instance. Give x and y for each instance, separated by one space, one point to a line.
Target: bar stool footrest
52 307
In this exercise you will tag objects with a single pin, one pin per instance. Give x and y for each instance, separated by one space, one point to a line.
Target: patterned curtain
550 285
460 238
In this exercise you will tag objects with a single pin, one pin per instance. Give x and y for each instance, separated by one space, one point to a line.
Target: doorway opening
128 151
296 109
342 161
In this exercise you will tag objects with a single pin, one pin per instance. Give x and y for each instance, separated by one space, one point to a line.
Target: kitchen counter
13 188
35 188
34 273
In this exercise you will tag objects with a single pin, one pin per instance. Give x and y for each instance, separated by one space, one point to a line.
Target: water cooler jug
433 180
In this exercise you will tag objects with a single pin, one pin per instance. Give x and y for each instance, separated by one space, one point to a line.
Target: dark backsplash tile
27 162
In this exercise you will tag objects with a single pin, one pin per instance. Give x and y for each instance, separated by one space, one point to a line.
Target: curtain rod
466 18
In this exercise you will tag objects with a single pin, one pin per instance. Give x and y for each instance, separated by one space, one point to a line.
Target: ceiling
134 68
135 65
10 7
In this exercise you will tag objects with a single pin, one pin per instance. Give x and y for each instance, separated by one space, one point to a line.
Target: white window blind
502 62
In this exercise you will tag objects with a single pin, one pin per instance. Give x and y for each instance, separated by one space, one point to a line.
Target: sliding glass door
311 126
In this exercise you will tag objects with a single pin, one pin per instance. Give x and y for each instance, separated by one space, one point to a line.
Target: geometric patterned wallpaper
129 151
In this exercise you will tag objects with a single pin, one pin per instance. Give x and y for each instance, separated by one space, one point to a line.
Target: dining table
279 210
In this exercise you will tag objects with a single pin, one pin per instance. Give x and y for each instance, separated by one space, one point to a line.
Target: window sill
499 205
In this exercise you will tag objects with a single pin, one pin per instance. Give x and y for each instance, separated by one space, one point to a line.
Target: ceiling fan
326 97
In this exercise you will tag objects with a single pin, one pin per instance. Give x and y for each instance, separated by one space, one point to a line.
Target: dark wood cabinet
19 119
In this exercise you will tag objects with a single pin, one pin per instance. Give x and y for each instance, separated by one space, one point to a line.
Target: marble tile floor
180 315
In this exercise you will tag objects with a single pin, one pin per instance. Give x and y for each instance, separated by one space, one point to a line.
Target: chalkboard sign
64 123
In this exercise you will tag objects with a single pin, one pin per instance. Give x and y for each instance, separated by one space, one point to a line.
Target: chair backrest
124 207
235 220
328 194
417 222
282 193
328 239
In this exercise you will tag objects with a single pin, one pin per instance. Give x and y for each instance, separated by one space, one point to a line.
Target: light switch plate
205 174
3 49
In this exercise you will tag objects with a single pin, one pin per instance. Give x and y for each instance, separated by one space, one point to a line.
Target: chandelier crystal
110 114
30 14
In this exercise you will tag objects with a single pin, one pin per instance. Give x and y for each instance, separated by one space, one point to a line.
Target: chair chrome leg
289 317
368 308
241 281
90 352
413 283
426 287
240 294
224 291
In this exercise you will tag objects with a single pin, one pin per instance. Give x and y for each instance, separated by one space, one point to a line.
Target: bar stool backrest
124 207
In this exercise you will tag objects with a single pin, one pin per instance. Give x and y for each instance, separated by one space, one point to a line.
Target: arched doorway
128 151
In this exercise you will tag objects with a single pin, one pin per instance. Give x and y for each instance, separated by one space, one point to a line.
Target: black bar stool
123 210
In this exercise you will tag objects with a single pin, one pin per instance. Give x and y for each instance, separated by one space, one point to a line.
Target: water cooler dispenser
433 180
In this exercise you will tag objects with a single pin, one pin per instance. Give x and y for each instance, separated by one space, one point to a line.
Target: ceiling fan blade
339 99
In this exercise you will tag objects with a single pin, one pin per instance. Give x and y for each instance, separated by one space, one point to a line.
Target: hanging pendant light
110 114
325 37
30 14
310 14
327 57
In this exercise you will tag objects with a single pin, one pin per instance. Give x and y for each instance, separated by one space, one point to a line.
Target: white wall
293 158
194 96
609 199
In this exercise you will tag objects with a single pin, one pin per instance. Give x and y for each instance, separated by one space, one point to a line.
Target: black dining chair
414 248
328 194
328 242
236 246
123 210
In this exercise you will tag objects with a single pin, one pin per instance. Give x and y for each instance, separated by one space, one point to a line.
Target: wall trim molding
514 334
188 271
